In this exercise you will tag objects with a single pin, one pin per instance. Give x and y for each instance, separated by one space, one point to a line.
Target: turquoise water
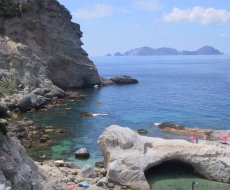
189 90
179 176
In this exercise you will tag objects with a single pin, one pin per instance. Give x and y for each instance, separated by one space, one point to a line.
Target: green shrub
11 9
7 86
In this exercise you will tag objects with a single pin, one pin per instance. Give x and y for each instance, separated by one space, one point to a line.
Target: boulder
82 153
3 110
49 92
88 172
124 80
31 101
128 155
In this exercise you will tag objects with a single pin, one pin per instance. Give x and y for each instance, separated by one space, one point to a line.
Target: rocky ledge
128 156
119 80
207 134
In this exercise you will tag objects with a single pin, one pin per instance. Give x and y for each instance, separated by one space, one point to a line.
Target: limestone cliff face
40 46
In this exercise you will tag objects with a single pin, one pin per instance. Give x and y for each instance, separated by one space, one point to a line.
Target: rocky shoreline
207 134
64 175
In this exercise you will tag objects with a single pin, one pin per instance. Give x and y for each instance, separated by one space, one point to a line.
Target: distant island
148 51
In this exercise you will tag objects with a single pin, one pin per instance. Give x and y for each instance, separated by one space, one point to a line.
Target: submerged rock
170 125
128 155
86 114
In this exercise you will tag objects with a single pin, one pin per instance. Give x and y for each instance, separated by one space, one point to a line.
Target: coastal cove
188 90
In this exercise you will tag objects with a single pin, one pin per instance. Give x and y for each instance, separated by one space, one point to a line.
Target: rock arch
127 160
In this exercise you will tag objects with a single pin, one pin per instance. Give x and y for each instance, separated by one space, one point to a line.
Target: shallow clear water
178 176
189 90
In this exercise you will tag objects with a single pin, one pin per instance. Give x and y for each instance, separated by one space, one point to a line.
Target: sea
188 90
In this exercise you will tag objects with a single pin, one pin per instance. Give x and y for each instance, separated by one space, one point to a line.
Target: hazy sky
109 26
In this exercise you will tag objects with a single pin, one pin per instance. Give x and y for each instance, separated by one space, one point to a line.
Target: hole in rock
178 175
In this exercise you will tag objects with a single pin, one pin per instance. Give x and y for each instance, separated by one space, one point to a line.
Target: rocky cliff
17 170
41 47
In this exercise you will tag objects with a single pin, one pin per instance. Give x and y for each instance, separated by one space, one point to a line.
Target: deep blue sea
189 90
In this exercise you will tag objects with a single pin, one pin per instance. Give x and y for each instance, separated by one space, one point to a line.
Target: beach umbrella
223 137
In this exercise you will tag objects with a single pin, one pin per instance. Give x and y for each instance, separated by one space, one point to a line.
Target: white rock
128 155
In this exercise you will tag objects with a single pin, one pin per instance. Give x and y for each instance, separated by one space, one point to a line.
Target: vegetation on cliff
9 8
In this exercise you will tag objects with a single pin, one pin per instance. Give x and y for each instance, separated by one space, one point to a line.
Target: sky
110 26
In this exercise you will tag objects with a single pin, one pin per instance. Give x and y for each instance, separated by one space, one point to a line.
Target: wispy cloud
199 15
147 5
97 11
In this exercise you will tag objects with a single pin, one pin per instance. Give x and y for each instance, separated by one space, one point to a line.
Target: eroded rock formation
128 155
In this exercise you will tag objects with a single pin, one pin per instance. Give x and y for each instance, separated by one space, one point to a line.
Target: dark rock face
42 47
120 80
18 171
31 101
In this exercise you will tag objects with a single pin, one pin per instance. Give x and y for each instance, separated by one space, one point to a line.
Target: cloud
147 5
97 11
199 15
